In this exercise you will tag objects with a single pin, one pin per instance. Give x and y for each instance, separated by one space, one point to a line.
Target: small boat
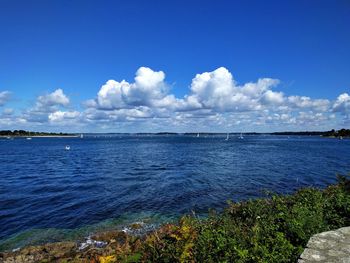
227 137
197 135
81 136
241 137
67 147
29 138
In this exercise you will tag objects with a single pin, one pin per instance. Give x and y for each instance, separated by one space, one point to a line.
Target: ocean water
104 182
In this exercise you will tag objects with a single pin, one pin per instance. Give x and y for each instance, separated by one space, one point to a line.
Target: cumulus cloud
52 99
149 89
217 90
342 104
212 95
272 98
4 97
45 105
59 116
306 102
215 101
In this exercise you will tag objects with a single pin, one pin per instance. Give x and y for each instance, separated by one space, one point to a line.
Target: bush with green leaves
274 229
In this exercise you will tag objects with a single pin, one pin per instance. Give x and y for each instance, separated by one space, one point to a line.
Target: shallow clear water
106 181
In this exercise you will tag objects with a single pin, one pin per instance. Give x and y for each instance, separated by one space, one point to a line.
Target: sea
109 181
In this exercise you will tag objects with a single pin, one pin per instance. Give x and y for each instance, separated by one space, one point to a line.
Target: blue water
48 193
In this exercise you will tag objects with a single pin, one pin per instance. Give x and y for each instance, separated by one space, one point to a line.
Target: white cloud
215 101
141 112
45 105
255 90
342 104
306 102
149 86
110 95
149 89
272 98
4 97
59 116
52 99
218 90
211 96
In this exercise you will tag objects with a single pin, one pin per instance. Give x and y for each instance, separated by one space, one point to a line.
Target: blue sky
55 57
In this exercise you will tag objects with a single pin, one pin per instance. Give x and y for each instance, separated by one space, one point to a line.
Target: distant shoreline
39 136
342 133
174 134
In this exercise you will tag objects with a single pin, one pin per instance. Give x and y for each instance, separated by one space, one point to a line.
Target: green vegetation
30 133
274 229
331 133
339 133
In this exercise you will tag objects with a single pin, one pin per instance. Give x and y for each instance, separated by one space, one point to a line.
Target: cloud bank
215 102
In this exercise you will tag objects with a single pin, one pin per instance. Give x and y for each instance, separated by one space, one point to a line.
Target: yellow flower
107 259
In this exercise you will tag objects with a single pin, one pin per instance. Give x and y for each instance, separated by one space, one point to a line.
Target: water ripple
43 186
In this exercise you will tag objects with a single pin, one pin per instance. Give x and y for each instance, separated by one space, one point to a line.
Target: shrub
274 229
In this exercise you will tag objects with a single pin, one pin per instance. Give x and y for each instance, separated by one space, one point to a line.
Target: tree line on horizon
28 133
339 133
332 133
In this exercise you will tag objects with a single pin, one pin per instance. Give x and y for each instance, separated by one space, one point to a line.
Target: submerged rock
107 236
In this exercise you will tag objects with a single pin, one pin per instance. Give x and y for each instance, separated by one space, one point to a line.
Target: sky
181 66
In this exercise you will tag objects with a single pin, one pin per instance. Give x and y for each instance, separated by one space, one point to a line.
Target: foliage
30 133
275 229
339 133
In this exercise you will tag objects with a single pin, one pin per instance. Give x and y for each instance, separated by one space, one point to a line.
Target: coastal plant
274 229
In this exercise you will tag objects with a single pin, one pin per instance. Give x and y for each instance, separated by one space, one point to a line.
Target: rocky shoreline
97 248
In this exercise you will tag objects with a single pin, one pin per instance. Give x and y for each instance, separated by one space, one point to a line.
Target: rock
109 235
101 245
44 253
135 226
312 255
330 246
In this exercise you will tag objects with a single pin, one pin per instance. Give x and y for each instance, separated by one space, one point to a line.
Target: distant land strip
342 133
22 133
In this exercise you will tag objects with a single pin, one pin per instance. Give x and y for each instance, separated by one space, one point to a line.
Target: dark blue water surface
48 193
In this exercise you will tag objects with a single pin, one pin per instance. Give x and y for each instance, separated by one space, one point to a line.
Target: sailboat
197 135
241 137
81 136
227 137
